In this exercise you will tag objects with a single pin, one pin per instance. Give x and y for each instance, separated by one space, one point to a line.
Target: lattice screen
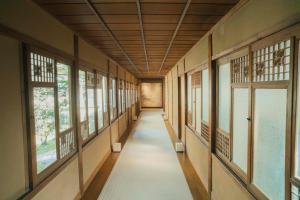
67 143
42 68
272 63
90 79
240 69
223 144
204 131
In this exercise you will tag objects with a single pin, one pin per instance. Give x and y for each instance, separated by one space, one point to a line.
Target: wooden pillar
211 113
76 109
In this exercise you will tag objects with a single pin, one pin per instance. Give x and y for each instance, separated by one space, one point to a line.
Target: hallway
147 162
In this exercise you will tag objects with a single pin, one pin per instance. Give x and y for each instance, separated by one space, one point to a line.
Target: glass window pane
224 97
198 109
44 120
269 142
91 110
240 127
63 93
100 108
104 80
82 95
189 99
205 95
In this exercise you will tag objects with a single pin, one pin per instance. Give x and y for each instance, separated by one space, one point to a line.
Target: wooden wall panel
166 95
151 95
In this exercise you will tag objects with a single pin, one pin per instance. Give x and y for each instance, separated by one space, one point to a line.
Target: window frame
84 66
36 177
113 98
274 84
203 134
294 179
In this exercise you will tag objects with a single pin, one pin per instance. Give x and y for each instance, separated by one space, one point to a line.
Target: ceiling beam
187 5
138 5
100 19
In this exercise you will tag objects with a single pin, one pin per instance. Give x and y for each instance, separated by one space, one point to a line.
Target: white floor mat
147 167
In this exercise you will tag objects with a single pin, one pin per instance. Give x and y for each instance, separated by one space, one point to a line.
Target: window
50 93
189 101
239 93
127 95
197 102
83 103
105 100
224 97
91 102
87 103
121 97
240 128
113 98
100 109
269 142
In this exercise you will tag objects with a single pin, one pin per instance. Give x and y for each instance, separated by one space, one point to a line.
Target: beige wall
92 55
225 186
94 154
27 18
175 99
170 98
198 155
114 131
64 186
12 167
253 18
122 124
197 55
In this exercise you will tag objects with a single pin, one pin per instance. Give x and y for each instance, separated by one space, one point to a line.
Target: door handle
248 118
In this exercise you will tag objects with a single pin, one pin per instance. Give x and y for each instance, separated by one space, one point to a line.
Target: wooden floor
197 189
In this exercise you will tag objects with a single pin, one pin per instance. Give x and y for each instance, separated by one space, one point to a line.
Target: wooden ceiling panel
209 9
116 27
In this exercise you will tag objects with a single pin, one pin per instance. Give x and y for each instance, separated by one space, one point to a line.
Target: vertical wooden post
76 109
211 113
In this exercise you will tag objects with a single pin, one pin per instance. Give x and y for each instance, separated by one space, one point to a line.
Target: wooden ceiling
145 36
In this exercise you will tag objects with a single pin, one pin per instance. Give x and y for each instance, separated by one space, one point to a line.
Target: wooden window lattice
240 70
222 144
204 131
67 143
272 63
42 68
196 81
90 79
